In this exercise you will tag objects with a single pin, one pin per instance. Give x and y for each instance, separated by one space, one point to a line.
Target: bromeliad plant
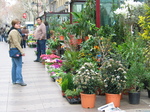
87 79
113 76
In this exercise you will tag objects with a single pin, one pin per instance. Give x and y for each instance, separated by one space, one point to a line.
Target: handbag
14 53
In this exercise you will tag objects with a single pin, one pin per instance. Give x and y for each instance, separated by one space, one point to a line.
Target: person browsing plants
40 35
14 39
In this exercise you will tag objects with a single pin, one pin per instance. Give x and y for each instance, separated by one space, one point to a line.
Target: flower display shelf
74 100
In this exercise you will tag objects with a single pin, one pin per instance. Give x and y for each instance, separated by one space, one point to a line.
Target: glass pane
78 6
107 8
56 19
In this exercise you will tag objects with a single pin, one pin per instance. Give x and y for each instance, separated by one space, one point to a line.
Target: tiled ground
42 94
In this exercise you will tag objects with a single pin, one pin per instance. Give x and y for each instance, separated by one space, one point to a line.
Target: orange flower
96 47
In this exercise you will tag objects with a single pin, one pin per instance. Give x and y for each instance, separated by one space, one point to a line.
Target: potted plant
69 94
72 96
114 80
87 79
67 82
53 44
147 82
71 63
135 76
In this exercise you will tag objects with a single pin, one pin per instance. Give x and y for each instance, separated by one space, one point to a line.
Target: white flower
111 59
118 77
106 85
124 72
120 69
128 8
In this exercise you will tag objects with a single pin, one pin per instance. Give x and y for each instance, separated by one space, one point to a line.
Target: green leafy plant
147 80
64 85
67 82
71 62
135 76
48 51
53 43
71 93
81 27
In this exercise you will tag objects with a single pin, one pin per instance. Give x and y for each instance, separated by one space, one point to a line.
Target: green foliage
53 43
48 51
67 82
119 31
56 72
147 79
144 24
73 92
53 22
64 85
71 62
131 51
82 28
69 93
135 76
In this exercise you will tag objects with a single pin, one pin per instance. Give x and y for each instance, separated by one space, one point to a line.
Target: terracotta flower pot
63 93
79 41
69 97
61 37
88 100
86 38
43 62
115 98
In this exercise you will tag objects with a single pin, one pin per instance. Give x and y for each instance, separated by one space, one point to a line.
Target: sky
10 2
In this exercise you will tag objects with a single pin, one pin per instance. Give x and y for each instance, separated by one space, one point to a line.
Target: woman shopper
24 31
15 39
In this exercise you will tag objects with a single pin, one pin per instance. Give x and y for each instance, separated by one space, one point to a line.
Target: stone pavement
42 94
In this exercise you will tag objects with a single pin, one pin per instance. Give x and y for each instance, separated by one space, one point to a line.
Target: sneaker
22 84
36 61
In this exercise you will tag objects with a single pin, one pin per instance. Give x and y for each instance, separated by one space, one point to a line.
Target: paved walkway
42 94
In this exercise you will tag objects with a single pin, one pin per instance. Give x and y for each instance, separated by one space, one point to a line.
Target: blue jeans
41 46
24 44
17 70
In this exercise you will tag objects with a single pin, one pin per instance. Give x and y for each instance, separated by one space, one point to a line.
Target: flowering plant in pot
114 79
87 79
114 76
53 60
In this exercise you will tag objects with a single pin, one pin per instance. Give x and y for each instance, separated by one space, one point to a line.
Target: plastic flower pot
88 100
115 98
134 98
148 93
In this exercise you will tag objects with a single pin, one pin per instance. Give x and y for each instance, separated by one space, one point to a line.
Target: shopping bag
14 53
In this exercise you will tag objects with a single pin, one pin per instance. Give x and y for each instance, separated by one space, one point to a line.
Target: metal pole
98 13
